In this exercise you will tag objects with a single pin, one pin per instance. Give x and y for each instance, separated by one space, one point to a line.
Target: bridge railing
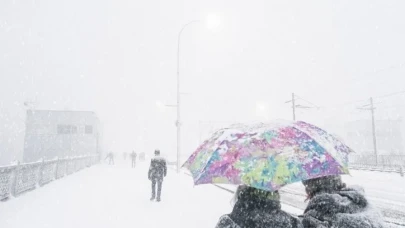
17 179
382 163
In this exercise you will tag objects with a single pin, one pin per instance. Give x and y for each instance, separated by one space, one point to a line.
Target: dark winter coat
157 168
258 214
347 208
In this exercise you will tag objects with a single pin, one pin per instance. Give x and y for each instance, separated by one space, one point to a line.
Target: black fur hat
327 184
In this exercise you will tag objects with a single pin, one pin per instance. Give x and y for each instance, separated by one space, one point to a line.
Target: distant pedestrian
110 157
157 171
133 159
332 204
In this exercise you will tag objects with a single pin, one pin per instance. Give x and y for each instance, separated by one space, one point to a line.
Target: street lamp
212 22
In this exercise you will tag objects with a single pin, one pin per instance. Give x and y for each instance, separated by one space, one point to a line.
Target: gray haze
118 58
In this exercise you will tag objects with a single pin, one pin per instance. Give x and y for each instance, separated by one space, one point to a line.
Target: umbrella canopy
268 156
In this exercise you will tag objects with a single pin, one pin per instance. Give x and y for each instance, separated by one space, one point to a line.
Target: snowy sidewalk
115 196
105 196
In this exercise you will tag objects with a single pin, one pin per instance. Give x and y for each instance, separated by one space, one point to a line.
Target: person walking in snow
110 157
332 204
157 171
257 208
133 159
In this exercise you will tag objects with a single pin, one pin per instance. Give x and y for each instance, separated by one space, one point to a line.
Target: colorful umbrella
268 156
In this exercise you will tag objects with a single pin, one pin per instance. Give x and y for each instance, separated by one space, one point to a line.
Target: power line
364 100
391 94
370 107
314 105
295 105
375 72
352 102
392 106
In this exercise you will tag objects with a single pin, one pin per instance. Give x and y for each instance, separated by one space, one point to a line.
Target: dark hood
346 208
262 214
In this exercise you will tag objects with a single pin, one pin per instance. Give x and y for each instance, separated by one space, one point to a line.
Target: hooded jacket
157 168
347 208
253 212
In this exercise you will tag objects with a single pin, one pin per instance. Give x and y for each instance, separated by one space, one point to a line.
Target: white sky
118 58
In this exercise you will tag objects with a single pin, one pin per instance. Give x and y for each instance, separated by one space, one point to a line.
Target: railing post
67 166
40 172
76 167
9 175
56 168
14 179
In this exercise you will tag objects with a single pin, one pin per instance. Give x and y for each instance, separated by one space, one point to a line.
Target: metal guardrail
381 163
394 169
171 163
380 160
17 179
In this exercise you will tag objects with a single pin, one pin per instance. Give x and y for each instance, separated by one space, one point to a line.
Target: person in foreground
332 204
256 208
157 171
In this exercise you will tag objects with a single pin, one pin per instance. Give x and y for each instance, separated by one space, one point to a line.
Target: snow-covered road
118 196
115 196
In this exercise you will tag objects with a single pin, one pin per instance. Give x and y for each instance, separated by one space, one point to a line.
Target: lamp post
178 121
211 22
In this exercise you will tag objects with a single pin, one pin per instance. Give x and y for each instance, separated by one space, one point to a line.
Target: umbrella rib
203 169
205 166
216 149
304 132
209 160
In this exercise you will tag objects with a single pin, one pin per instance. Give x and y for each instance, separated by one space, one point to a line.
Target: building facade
60 134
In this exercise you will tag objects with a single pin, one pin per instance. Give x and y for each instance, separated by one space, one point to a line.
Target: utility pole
373 127
370 107
295 105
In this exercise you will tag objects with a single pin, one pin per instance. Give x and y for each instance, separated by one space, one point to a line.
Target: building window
67 129
62 129
73 129
88 129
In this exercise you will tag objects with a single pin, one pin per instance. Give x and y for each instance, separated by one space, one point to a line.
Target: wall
48 134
